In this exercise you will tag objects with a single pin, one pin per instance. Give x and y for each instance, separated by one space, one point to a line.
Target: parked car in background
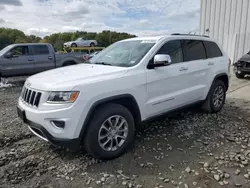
81 42
242 66
30 58
100 104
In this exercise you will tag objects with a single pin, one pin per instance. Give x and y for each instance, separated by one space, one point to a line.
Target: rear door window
194 50
212 49
40 50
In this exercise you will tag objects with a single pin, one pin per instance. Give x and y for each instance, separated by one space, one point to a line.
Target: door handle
183 69
50 57
210 63
30 59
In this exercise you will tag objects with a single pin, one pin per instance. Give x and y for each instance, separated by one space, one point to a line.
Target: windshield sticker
148 41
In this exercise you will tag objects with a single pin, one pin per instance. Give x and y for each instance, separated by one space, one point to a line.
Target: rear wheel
216 97
239 75
110 132
92 44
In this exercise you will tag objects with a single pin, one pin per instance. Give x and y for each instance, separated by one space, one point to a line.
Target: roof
31 44
176 36
155 38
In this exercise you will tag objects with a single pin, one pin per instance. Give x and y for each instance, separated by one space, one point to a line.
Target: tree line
10 36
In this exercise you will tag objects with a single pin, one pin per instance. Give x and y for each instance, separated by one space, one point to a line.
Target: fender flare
103 101
216 77
68 59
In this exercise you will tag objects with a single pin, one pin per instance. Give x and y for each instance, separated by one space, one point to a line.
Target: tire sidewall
217 84
94 128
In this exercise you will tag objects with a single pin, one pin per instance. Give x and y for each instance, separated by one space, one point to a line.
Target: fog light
58 123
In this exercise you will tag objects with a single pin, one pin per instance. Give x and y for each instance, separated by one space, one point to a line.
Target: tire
74 45
240 76
94 130
92 44
209 105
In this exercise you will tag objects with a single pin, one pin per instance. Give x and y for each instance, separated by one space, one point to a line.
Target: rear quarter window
212 49
40 50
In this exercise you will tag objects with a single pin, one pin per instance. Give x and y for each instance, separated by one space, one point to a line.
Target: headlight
63 97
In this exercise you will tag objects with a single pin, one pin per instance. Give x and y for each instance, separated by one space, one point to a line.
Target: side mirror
162 60
8 55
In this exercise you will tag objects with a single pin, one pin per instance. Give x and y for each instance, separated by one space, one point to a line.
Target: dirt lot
185 149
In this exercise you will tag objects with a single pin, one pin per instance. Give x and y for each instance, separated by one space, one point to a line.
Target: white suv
99 104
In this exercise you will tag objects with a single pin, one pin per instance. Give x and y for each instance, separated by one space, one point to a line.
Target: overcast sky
140 17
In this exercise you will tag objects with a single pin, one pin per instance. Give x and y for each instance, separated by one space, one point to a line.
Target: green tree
104 38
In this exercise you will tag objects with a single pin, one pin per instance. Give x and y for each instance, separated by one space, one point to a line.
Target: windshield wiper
102 63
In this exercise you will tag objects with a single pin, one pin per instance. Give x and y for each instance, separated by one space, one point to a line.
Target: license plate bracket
21 114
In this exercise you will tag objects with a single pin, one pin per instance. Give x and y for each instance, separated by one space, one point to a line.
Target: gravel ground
185 149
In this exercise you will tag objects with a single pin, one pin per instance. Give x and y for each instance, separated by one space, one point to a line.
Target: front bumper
61 121
242 69
44 134
67 45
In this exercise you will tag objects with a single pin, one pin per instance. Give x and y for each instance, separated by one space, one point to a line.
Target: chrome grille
31 97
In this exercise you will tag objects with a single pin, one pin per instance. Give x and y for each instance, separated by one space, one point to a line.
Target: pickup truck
31 58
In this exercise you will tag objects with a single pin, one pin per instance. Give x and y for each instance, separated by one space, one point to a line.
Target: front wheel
110 132
92 44
216 97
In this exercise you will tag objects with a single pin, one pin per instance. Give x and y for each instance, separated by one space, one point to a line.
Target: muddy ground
184 149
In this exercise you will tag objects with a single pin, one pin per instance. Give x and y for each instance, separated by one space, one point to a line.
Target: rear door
85 42
20 63
216 62
44 59
197 71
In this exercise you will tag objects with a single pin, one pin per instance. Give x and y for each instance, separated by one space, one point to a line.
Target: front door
21 62
168 86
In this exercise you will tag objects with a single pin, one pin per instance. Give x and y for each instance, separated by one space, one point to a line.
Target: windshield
6 49
79 39
124 54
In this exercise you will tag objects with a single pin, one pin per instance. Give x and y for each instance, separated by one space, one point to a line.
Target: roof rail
189 34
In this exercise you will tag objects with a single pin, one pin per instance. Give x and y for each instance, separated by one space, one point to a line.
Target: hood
245 58
66 78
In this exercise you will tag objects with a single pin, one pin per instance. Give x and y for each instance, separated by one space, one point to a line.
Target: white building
228 22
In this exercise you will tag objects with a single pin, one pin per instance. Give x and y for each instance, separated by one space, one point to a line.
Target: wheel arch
223 77
68 62
126 100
